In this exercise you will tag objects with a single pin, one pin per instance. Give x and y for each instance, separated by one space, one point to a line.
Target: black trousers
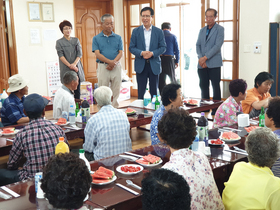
77 93
142 79
168 69
214 75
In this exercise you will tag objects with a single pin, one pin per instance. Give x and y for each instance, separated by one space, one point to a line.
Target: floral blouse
154 124
195 168
226 113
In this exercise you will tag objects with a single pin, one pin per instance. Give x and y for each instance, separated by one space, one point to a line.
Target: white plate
150 165
129 173
229 140
209 142
62 124
7 134
112 180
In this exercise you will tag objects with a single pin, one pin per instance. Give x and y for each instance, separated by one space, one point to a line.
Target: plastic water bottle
195 142
85 111
262 118
202 126
82 156
4 96
147 98
61 147
157 103
64 115
72 118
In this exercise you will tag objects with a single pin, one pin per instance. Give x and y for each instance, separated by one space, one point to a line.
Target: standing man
168 62
108 48
147 44
208 48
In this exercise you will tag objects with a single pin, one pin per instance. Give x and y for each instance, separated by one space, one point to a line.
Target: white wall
254 27
32 58
274 11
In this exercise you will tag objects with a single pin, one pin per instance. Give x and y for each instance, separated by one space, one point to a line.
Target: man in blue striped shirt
107 132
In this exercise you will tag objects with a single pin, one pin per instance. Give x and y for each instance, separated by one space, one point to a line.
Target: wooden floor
139 138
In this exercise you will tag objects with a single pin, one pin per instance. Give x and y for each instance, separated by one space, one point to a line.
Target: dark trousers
168 69
8 176
142 79
77 93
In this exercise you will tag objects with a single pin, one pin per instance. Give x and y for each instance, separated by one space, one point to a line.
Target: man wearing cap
37 141
64 96
12 109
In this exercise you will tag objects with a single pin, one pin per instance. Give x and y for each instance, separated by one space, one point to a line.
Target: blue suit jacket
211 48
157 46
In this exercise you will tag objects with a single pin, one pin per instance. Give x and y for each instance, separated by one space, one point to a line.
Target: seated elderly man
64 96
272 121
226 113
252 185
36 142
259 95
107 131
177 129
62 193
163 189
12 108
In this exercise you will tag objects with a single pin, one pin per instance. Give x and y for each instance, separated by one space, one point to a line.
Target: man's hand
147 54
176 65
202 61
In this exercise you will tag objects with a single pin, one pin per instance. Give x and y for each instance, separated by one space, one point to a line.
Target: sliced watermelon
251 128
192 101
8 130
98 181
110 173
61 121
151 158
230 136
141 161
100 175
130 111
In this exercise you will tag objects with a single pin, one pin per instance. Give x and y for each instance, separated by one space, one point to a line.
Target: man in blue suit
208 48
147 43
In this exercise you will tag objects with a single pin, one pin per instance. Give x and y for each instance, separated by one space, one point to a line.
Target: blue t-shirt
109 46
12 110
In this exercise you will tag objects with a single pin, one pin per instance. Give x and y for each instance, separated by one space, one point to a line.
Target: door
87 25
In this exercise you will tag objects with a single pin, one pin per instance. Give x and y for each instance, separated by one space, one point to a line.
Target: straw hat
16 82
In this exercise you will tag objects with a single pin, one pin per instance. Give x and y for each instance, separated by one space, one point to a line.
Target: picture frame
34 11
47 12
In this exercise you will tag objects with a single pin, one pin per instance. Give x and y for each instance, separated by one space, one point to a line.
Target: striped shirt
37 142
107 133
276 166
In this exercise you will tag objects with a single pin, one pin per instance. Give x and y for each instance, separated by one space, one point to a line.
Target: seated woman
272 121
226 113
171 97
259 95
178 130
252 185
66 181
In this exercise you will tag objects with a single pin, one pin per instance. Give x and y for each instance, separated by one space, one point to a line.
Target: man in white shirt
64 96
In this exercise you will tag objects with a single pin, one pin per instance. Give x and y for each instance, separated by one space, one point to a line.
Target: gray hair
69 76
106 16
103 95
263 147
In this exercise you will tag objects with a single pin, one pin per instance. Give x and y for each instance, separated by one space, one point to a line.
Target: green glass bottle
157 103
262 118
77 109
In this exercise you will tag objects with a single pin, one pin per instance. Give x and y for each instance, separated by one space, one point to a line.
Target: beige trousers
114 76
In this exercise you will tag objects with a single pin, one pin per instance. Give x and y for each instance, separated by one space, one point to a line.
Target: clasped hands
147 54
111 64
74 67
202 62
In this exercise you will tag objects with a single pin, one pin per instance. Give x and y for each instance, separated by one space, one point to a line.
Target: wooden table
202 106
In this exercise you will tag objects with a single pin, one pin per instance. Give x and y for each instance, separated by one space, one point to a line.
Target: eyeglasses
146 16
66 29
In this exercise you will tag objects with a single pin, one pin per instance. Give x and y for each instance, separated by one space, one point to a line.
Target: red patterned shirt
36 142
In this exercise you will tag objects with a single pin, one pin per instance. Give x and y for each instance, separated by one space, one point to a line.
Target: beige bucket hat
16 82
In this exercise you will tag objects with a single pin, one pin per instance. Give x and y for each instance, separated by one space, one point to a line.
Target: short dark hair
163 189
211 9
261 77
273 110
169 92
147 8
165 25
236 86
64 23
33 115
177 128
66 181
